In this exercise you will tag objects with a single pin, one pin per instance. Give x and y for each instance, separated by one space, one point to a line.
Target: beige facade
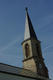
30 65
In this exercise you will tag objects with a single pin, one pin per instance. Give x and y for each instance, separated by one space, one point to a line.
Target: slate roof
4 68
29 31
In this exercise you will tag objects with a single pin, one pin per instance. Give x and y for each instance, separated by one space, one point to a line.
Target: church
34 67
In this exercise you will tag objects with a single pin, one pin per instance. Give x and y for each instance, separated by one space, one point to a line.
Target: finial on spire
26 9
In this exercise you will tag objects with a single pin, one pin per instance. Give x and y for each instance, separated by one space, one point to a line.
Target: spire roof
29 31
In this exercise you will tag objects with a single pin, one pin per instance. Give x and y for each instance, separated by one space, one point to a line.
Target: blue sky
12 25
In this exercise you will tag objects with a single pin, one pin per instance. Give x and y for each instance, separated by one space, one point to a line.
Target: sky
12 26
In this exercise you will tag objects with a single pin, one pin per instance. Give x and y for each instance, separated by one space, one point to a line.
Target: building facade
33 59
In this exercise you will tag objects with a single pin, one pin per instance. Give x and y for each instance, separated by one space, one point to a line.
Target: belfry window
27 50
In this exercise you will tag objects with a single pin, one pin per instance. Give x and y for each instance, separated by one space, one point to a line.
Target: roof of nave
5 68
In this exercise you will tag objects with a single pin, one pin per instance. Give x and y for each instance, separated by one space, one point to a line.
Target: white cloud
46 20
47 47
50 71
11 44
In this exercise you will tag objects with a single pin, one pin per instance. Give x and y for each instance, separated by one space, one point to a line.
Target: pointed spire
29 31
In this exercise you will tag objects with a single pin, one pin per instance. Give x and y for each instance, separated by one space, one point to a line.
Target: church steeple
29 31
33 59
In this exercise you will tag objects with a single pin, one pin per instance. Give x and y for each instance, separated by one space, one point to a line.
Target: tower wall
30 65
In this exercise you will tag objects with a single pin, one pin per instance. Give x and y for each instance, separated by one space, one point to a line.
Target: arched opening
27 51
38 49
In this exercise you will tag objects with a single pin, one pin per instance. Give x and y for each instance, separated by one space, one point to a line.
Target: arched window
27 51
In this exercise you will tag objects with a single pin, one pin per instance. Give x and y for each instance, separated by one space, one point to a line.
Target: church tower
33 59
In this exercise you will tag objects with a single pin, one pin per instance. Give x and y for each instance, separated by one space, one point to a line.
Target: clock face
40 65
